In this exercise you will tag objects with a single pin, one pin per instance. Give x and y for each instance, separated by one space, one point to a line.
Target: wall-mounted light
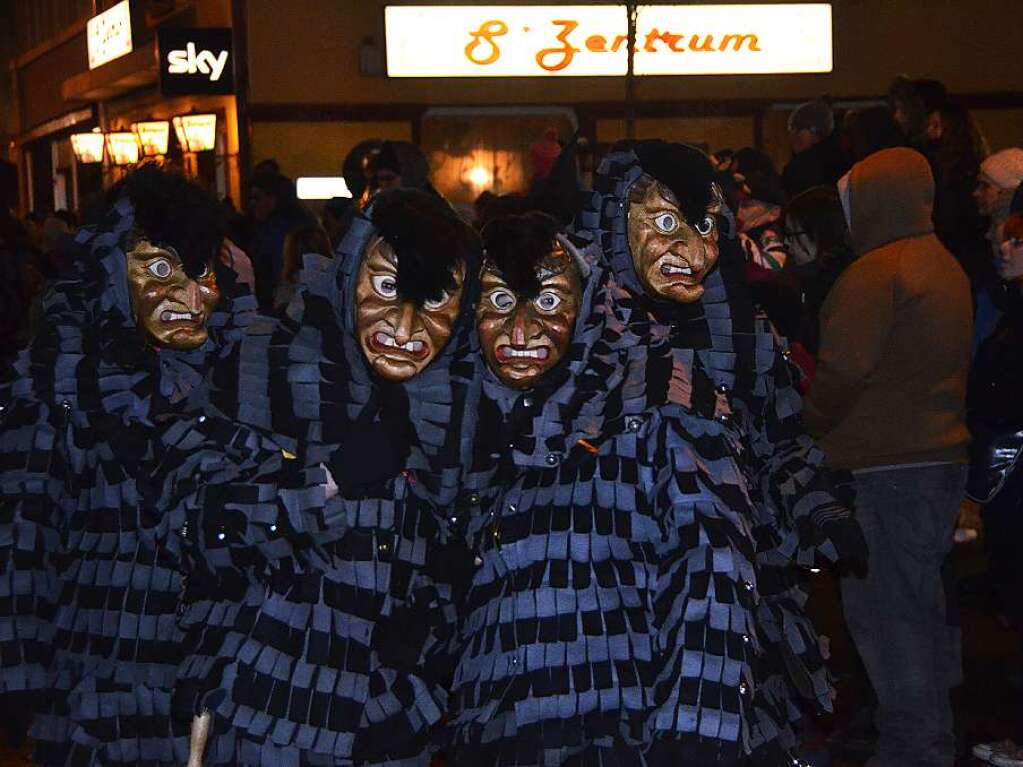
88 147
123 148
479 177
321 187
196 133
153 136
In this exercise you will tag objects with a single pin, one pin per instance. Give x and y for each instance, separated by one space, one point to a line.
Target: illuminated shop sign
196 62
587 40
108 34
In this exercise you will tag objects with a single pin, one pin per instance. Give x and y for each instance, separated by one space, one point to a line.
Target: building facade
311 81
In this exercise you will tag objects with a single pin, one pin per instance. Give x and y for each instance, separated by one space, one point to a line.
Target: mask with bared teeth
411 282
400 337
671 255
673 212
171 307
531 291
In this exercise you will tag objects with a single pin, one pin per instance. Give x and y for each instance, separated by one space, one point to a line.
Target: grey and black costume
91 579
316 629
611 617
741 410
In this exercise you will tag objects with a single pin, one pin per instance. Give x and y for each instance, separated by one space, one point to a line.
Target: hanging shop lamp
196 133
153 136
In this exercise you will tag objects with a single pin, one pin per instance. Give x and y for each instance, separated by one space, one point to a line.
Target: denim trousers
897 613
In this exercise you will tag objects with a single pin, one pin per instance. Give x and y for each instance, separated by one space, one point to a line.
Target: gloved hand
369 456
847 536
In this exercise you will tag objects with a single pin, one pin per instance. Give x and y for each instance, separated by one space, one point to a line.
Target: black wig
429 239
172 211
517 246
684 169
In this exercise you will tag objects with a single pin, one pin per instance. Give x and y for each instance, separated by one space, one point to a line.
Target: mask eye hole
434 305
706 226
502 300
666 223
161 268
548 301
385 286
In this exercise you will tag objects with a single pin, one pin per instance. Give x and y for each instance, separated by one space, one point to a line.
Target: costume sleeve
704 606
855 322
35 443
236 491
32 490
799 498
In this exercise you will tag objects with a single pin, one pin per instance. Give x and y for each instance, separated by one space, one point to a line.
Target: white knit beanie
1004 169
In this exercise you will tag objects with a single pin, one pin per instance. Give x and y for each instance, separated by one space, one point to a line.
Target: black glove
368 457
399 638
847 536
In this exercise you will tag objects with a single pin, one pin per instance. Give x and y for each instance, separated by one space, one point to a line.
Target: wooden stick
198 737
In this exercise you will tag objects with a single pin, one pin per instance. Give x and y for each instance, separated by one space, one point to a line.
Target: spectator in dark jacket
817 241
955 158
275 211
817 159
996 407
871 130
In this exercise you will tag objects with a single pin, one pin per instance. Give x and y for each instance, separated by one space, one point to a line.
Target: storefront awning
135 70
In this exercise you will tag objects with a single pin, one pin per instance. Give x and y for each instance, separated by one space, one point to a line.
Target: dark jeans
897 613
1003 535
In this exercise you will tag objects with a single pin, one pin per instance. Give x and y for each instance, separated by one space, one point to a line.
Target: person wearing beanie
817 158
997 187
887 403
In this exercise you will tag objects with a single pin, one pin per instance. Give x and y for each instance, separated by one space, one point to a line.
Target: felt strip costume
610 618
730 383
316 629
93 575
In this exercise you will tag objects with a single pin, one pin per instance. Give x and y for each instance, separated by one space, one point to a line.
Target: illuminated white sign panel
581 40
321 187
109 34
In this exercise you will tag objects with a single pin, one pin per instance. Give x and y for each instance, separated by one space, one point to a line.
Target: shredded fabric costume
731 389
91 578
316 631
611 616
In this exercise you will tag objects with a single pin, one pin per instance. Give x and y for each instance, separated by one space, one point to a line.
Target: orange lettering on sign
558 58
567 51
738 40
485 35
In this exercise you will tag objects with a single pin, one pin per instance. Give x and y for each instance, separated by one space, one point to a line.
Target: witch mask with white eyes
399 338
170 307
671 255
524 335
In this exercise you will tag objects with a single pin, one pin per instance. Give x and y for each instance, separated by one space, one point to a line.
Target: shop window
472 151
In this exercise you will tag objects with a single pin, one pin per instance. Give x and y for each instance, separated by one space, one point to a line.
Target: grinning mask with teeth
531 291
170 307
400 337
671 254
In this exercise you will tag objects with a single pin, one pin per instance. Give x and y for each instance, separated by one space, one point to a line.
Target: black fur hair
429 239
171 210
684 169
517 245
